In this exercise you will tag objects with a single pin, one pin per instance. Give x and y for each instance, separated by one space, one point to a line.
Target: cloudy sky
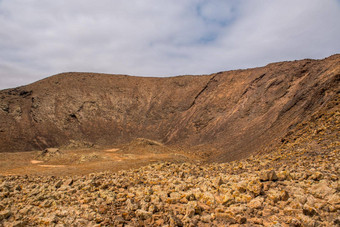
39 38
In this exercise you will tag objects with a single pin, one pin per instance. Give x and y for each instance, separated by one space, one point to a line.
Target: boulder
269 176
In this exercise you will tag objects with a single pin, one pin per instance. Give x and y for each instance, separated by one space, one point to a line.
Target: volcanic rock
225 115
293 183
49 153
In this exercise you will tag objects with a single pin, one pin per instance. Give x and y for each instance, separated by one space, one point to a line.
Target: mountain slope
294 184
235 112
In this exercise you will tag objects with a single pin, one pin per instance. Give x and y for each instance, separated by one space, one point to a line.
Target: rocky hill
235 112
287 114
295 184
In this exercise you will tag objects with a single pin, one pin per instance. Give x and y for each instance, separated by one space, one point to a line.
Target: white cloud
39 38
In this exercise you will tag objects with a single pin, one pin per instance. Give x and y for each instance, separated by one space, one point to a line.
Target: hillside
228 115
295 184
132 151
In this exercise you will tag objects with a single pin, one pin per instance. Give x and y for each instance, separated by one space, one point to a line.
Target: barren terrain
294 184
67 162
233 113
256 147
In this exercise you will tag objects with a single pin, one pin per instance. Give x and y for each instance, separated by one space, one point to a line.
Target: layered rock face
236 112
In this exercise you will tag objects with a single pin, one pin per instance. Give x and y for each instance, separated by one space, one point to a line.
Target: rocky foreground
297 184
272 191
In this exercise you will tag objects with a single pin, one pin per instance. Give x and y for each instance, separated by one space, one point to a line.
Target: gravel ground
298 184
269 190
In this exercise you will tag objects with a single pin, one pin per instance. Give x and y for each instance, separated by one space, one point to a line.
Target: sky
40 38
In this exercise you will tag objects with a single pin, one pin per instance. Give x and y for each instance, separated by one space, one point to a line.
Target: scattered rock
68 182
256 203
5 214
75 144
175 221
321 190
309 211
59 184
206 218
269 176
142 214
49 153
19 224
180 194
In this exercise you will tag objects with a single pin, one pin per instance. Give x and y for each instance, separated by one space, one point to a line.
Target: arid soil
69 162
247 192
255 147
296 183
236 112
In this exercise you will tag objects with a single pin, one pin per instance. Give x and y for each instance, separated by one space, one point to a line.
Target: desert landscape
252 147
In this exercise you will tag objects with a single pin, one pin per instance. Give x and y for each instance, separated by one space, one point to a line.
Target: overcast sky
39 38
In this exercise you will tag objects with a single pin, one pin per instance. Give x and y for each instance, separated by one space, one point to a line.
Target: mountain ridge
234 113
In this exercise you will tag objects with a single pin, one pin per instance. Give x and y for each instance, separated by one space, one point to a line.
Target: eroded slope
296 184
235 112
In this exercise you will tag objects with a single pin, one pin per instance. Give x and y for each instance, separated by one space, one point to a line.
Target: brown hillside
235 112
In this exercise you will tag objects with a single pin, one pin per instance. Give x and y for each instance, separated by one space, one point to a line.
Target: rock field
271 191
295 184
